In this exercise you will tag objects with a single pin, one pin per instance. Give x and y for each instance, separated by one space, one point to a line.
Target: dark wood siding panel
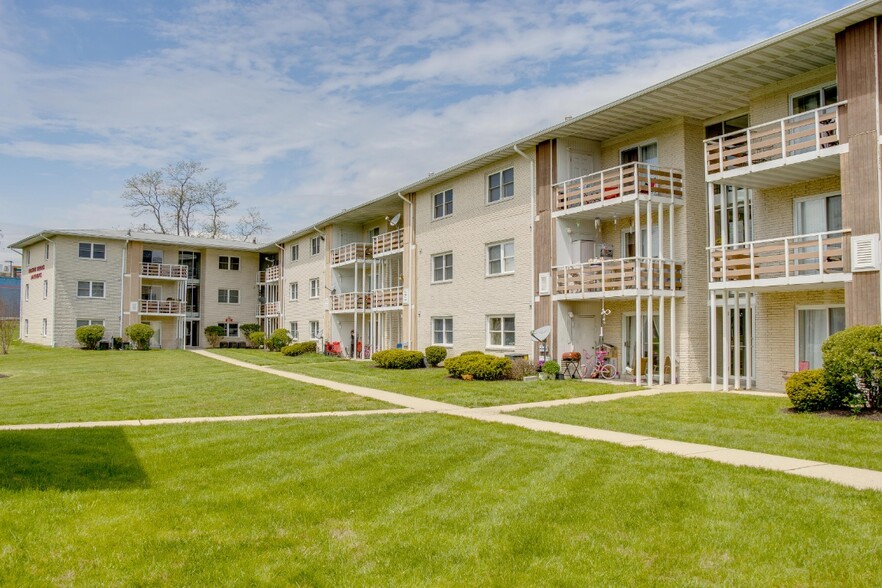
862 299
542 233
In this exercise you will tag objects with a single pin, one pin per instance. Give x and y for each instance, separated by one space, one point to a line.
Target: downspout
533 276
410 276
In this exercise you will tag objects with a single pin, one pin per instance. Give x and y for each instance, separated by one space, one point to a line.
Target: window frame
502 197
293 291
796 332
445 268
45 289
228 295
231 261
294 330
315 246
92 289
489 331
295 252
640 155
228 327
445 332
826 197
315 330
502 259
445 205
45 328
27 292
88 322
315 288
819 89
92 251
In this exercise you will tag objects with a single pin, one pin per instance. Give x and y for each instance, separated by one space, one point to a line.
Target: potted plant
551 369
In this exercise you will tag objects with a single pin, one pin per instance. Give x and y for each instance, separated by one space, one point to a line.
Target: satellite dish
261 299
542 333
395 219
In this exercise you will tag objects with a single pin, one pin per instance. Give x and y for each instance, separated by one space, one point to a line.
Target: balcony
269 309
350 301
350 253
162 307
810 261
618 278
793 149
163 271
388 243
610 190
270 274
388 298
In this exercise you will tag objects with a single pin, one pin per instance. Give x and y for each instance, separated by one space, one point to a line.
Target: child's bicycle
602 367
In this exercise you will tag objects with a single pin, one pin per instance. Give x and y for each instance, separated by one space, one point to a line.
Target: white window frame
506 263
28 256
446 332
294 330
444 267
295 252
27 292
47 251
91 255
819 88
502 196
796 202
89 322
293 291
446 207
230 329
502 331
314 330
26 327
797 334
45 289
45 328
92 288
315 246
227 295
231 260
315 288
640 147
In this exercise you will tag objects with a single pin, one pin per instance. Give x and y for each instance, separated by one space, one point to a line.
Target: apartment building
715 227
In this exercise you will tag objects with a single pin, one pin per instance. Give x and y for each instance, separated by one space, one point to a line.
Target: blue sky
306 108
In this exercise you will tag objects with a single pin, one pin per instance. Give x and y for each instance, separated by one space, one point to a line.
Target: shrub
277 340
117 342
471 353
552 368
398 359
808 392
140 335
299 348
435 355
521 368
853 365
214 334
257 339
249 328
478 366
89 336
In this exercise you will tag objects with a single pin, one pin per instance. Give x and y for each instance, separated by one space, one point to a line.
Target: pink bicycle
602 367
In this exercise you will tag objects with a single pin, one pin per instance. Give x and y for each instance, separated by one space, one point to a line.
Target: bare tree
217 205
145 195
251 225
183 193
8 329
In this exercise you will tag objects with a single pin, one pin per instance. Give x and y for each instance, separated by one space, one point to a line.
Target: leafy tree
8 329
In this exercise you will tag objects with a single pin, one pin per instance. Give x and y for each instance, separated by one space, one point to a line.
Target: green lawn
425 383
410 500
54 385
743 422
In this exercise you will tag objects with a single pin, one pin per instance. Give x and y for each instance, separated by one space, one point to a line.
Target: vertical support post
661 339
661 244
737 345
712 301
674 361
638 334
727 342
650 356
638 241
748 339
649 252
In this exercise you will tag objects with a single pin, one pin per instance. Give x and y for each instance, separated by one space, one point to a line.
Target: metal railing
391 242
270 274
617 276
163 270
806 132
619 184
387 297
350 252
815 254
167 307
350 301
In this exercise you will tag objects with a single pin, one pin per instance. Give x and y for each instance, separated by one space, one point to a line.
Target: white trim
796 310
799 199
432 258
502 197
502 258
501 347
638 146
432 203
444 331
812 90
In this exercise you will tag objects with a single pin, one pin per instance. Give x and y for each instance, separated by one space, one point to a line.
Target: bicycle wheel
584 370
608 371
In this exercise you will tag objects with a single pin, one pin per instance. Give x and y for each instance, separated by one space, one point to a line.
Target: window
814 325
27 292
45 327
501 331
500 185
629 243
47 250
443 204
29 257
315 245
90 289
225 296
92 250
295 334
442 267
230 329
149 256
647 153
818 214
500 258
731 125
294 289
225 262
314 331
815 98
295 252
45 289
89 322
314 288
442 331
26 326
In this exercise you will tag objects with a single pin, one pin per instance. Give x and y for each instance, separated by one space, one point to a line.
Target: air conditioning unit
865 253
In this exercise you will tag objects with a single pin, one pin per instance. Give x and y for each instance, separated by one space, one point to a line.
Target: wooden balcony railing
270 274
164 270
807 132
391 242
163 307
351 301
350 253
269 309
615 277
619 184
387 298
808 258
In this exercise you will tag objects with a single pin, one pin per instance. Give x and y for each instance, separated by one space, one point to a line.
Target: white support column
638 241
737 345
674 361
727 342
748 338
649 255
661 339
638 334
649 352
661 246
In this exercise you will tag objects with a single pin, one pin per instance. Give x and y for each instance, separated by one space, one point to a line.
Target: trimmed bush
435 354
552 368
808 391
257 339
140 335
853 365
249 328
214 334
277 340
89 336
521 368
296 349
478 366
398 359
471 353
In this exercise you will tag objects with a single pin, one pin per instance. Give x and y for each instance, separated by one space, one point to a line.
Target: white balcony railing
162 307
618 277
164 270
350 301
387 243
799 259
351 252
270 274
809 132
619 184
269 309
387 298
